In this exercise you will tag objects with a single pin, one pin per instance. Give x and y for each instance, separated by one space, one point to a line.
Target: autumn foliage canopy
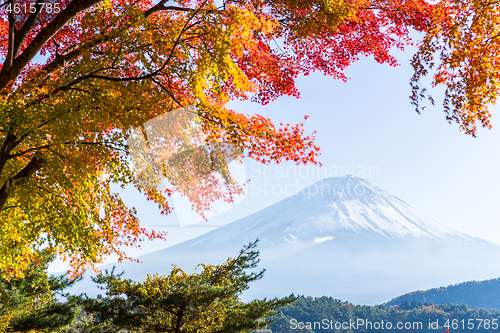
77 77
462 51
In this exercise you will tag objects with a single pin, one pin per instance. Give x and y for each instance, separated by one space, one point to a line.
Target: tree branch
9 60
161 7
7 75
7 147
26 172
26 28
111 145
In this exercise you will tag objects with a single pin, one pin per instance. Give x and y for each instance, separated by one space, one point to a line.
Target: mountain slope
478 294
346 204
341 237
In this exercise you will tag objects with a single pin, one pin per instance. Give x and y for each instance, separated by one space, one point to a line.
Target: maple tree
76 82
462 50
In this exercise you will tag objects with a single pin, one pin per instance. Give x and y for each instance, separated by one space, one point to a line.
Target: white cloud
322 239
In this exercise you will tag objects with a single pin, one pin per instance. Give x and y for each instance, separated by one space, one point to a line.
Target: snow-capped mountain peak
340 237
330 207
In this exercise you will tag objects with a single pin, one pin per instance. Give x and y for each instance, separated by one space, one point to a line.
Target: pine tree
31 303
205 302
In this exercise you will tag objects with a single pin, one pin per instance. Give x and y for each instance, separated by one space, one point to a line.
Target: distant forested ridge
326 314
478 294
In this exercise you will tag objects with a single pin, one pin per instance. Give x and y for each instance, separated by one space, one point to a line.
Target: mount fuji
341 237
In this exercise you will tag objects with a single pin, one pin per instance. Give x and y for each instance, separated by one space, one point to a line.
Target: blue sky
367 127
